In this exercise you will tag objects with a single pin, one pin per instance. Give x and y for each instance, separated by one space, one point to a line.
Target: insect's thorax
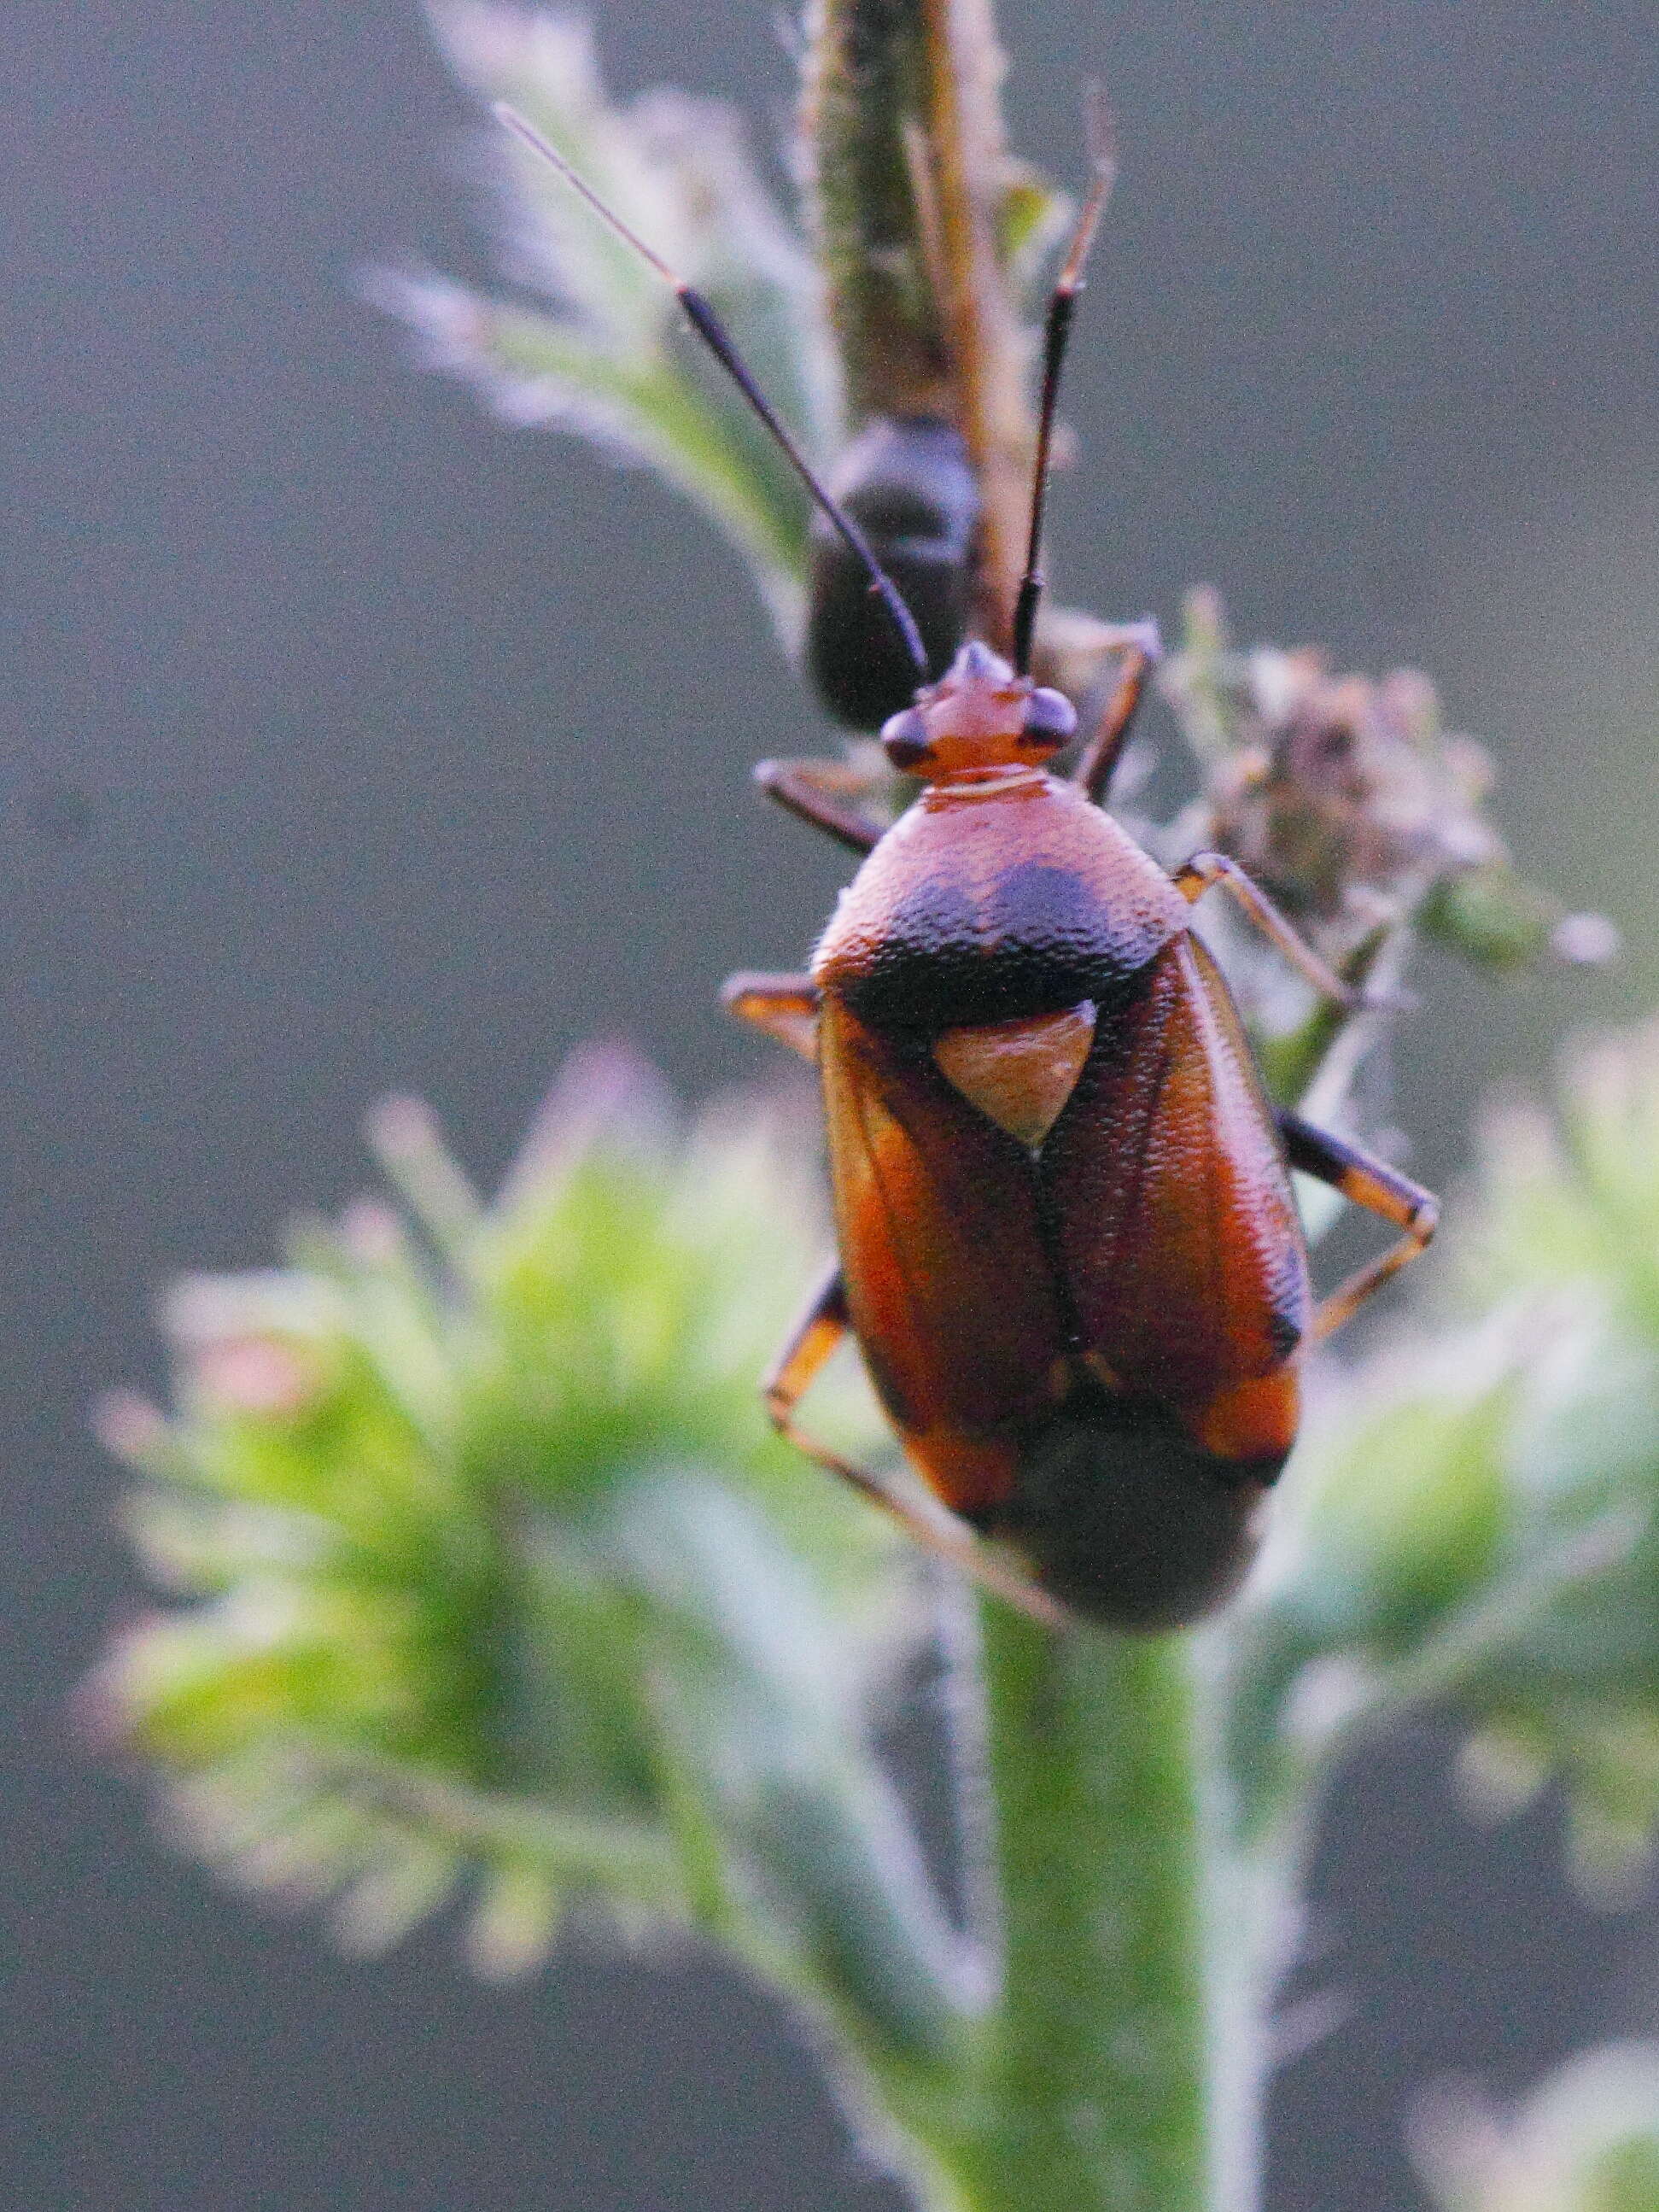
997 896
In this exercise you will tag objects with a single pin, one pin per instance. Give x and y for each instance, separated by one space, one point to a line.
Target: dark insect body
1068 1246
908 485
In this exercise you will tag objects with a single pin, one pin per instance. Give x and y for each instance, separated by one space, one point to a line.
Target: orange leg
825 794
784 1006
1381 1189
1205 870
1105 748
814 1337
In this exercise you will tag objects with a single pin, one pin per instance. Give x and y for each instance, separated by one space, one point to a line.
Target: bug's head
979 715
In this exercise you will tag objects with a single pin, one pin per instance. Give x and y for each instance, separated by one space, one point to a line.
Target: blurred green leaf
607 356
488 1559
1475 1514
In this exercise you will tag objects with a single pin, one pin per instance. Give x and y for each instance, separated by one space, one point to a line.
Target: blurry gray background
349 741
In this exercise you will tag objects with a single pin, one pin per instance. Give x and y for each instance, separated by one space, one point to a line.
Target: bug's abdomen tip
1129 1522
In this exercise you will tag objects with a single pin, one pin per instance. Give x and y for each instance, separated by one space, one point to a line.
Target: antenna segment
708 327
1057 330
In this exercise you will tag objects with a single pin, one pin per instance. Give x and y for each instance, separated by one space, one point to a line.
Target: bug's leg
814 1337
1101 756
784 1006
823 792
1206 870
1365 1180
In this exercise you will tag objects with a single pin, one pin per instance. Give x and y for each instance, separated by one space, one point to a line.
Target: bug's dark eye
1050 717
904 738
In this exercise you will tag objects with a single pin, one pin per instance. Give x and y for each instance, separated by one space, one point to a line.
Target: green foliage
483 1564
908 300
488 1557
1475 1511
598 347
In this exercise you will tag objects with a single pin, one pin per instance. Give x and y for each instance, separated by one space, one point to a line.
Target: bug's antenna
1056 330
708 327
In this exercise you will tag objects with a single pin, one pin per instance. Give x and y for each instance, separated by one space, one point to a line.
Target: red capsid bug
1068 1247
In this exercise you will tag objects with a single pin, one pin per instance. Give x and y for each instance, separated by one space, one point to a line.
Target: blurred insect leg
784 1006
1364 1180
1207 870
1093 772
823 792
814 1337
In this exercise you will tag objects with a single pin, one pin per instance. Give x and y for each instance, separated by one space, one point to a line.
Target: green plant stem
1090 2085
903 137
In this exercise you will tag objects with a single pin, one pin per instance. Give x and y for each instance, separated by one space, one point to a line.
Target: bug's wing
951 1296
1178 1232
